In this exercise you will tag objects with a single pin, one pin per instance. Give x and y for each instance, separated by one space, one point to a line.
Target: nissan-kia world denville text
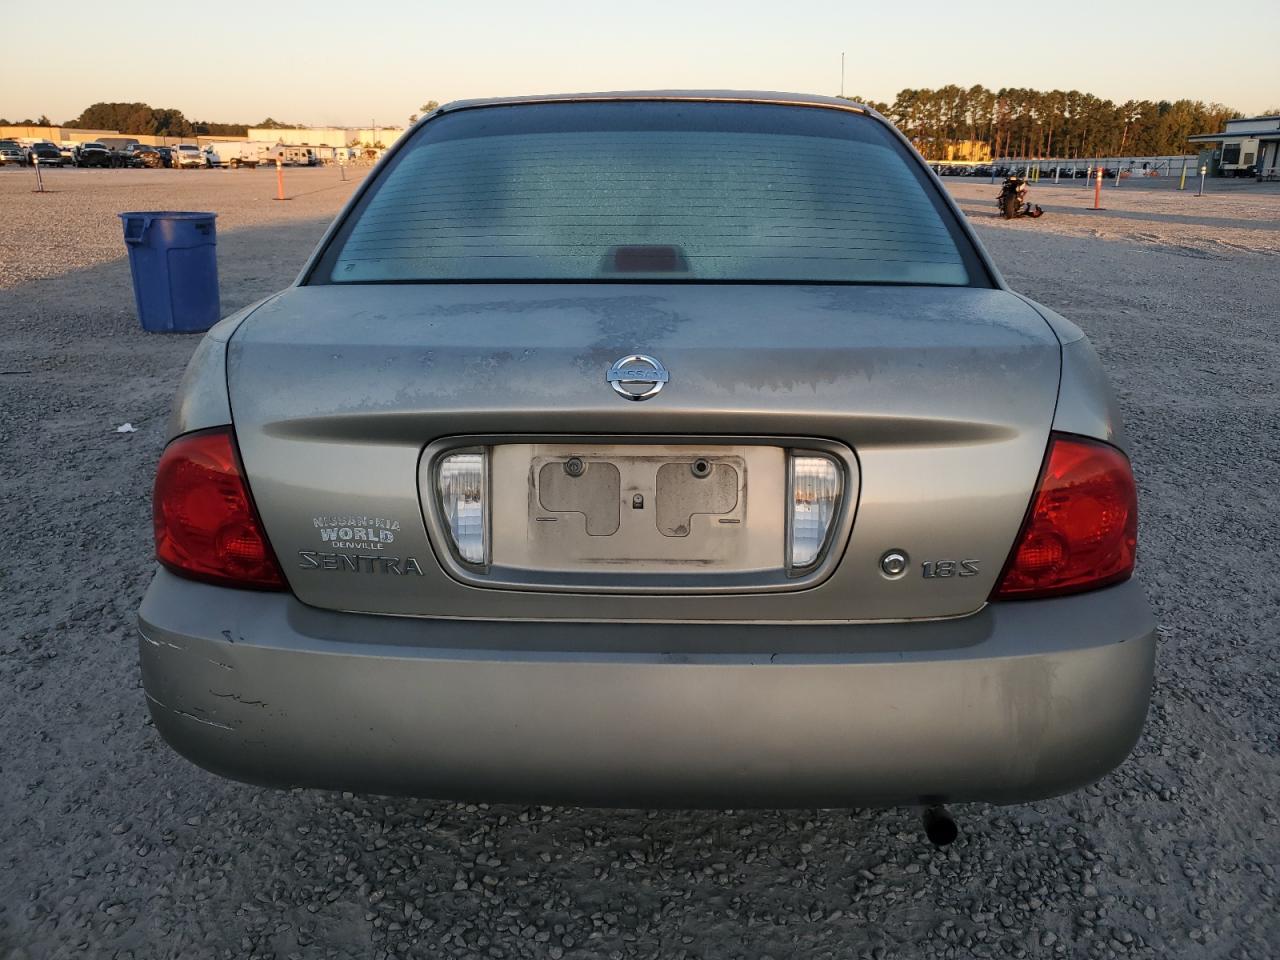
650 449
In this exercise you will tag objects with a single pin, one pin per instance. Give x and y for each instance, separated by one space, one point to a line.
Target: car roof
687 96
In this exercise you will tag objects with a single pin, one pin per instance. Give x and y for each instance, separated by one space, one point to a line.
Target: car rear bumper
1017 702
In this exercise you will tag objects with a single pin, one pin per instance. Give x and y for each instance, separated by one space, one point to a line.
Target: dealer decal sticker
356 532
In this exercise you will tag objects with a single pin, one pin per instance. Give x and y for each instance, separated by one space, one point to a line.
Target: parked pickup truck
46 154
93 155
187 155
142 155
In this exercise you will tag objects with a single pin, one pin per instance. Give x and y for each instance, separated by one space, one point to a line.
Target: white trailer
291 155
1239 157
239 153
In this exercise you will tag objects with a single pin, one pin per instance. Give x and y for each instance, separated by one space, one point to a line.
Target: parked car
142 155
211 157
46 154
745 482
93 155
187 155
69 153
166 155
11 152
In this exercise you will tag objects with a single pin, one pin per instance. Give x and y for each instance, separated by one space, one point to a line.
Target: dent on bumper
1015 703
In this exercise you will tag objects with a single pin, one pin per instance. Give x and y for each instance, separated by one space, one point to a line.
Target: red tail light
206 526
1082 530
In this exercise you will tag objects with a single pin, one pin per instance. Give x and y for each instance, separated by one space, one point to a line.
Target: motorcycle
1012 201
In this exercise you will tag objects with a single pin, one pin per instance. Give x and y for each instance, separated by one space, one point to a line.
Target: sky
348 63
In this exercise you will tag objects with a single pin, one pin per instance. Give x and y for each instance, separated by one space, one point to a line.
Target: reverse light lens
461 483
1082 530
816 484
205 524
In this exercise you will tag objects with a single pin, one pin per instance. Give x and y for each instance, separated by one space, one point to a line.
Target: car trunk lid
942 398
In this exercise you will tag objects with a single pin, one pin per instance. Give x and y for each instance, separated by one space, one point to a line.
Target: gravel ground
112 846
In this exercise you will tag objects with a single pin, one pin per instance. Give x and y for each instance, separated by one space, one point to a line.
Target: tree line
144 119
1012 121
1020 122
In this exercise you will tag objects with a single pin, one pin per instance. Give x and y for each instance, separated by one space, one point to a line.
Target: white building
1248 147
327 136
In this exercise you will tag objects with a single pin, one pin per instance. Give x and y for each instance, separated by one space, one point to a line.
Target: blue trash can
173 259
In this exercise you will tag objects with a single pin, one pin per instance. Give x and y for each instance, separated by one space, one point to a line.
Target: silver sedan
672 449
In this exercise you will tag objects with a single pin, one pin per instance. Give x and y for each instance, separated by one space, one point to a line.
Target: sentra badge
345 563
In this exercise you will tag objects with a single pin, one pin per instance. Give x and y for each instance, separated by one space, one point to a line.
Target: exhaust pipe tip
939 826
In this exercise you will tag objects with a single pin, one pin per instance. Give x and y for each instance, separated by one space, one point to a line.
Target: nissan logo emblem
637 370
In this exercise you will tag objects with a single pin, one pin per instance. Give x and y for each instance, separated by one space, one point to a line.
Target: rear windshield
651 191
